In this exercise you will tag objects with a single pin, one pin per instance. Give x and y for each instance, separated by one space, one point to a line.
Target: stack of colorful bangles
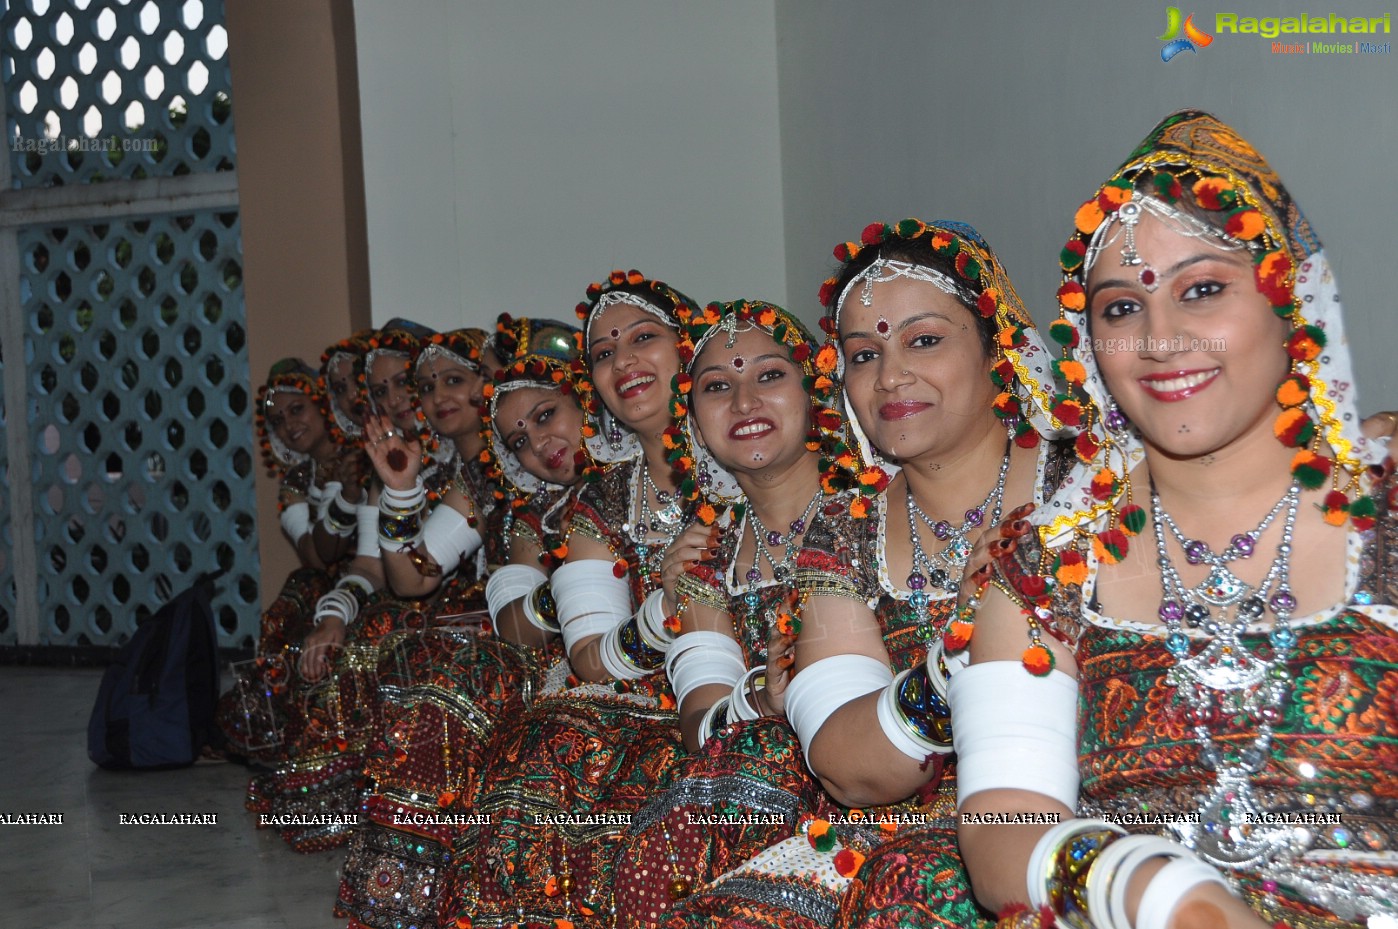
637 647
540 609
400 517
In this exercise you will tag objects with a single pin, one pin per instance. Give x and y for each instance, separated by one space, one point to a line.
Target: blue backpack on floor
155 708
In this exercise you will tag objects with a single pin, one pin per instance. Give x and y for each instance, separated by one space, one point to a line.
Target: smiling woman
770 454
1232 677
605 740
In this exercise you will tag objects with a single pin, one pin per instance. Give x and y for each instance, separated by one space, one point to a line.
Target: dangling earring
614 436
1114 419
705 477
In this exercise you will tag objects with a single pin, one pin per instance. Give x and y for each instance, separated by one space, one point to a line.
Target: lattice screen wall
122 217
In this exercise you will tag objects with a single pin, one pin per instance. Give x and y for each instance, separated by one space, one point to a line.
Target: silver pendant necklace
1225 682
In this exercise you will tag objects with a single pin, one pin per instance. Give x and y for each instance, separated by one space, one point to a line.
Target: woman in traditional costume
1196 650
315 796
565 776
761 419
294 426
443 690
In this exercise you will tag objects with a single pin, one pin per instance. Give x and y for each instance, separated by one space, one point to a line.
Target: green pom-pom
1362 507
1070 259
1309 477
1133 519
909 228
1063 332
779 332
824 842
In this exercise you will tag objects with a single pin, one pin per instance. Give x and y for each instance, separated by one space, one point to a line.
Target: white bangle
651 617
615 660
1015 731
296 521
366 542
354 580
509 583
1040 869
397 502
339 603
699 658
317 497
448 538
1169 886
741 706
1110 878
337 514
819 690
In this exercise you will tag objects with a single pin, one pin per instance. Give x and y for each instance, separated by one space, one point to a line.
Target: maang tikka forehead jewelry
884 270
1176 220
1130 214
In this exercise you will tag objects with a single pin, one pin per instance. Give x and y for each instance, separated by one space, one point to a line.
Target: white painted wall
516 150
1009 114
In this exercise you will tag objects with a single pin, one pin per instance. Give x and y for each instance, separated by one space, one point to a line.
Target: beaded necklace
1225 680
952 559
665 522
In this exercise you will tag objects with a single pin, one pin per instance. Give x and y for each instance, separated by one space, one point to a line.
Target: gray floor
92 872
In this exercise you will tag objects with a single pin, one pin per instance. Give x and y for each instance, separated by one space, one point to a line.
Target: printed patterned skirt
749 838
563 782
442 692
313 798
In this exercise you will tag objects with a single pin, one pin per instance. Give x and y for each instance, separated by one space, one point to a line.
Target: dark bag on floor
155 708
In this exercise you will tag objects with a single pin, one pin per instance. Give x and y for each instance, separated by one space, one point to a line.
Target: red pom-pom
872 234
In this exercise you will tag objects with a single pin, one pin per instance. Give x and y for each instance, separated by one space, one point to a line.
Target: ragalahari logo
1192 40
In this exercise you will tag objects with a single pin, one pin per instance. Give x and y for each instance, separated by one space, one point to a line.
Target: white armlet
1013 730
296 521
590 599
818 691
321 497
449 537
510 582
699 658
366 541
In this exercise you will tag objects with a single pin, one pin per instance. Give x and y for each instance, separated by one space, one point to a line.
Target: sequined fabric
253 713
566 775
334 719
741 793
1333 768
789 883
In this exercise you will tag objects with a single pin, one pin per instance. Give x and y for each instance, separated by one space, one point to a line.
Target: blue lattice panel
8 632
113 89
139 422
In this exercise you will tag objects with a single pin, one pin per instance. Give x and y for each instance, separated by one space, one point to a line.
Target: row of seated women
693 617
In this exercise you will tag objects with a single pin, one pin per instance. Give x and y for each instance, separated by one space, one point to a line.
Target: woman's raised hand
397 458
